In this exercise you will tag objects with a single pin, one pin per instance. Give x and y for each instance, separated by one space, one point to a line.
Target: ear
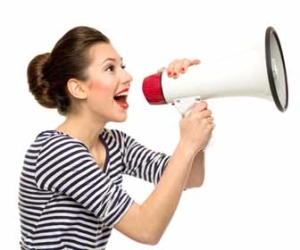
77 88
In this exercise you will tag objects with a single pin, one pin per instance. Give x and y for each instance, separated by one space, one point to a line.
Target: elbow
151 233
200 183
195 184
150 238
145 236
152 241
152 230
142 225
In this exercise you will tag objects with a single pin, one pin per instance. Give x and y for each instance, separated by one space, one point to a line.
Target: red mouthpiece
152 89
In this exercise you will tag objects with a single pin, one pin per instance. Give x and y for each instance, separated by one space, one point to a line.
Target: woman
71 194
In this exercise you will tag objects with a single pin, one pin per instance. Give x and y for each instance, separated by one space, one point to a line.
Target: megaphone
258 72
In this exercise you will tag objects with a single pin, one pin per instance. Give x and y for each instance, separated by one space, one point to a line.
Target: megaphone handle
184 105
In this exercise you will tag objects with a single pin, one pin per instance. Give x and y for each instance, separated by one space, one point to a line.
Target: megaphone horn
259 72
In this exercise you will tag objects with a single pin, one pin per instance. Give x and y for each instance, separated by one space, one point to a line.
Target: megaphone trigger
184 105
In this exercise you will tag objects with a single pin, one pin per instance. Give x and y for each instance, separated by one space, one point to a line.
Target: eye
123 66
110 68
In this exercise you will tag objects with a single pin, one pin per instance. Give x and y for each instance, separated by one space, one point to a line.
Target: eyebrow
112 59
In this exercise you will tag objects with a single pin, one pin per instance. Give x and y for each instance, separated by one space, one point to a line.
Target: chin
122 118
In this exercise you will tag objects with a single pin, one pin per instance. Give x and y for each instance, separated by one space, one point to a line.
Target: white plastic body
243 74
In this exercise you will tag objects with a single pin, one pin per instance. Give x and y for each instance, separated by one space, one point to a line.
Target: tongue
122 102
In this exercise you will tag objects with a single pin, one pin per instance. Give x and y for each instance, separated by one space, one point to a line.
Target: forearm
173 181
197 173
149 220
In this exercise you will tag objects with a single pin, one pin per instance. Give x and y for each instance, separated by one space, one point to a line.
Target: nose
127 78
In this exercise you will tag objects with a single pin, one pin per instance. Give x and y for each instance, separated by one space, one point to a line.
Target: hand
179 66
196 127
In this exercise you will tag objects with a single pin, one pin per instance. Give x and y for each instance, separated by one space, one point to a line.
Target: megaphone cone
258 72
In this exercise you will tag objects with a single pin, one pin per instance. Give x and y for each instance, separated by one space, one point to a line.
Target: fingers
204 114
161 70
199 106
201 111
195 62
210 120
180 66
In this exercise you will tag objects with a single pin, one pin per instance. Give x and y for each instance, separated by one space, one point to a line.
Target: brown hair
48 73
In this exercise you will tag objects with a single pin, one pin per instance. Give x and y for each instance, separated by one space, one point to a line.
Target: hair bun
38 84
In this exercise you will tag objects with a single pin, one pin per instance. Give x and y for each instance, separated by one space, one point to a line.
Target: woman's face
108 84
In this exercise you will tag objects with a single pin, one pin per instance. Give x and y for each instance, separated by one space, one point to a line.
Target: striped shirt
66 201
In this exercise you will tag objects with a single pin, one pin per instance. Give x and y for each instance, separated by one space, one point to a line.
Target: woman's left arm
196 177
197 174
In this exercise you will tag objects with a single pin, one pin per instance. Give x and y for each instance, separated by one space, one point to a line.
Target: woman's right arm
147 222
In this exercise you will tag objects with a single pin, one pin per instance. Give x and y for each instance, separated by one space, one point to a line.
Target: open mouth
121 98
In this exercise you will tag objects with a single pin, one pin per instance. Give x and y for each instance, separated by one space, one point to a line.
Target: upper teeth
123 94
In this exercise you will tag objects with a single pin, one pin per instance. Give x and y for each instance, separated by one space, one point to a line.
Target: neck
83 129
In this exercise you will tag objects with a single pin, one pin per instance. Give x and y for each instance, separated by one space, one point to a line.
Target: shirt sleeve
65 166
143 162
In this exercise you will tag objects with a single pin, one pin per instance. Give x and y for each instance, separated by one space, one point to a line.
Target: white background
250 198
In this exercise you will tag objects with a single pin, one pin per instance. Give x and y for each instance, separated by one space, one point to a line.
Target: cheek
101 91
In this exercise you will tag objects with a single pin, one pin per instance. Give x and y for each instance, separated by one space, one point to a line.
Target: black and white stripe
66 201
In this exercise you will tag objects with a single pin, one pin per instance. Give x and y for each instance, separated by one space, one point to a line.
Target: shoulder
54 138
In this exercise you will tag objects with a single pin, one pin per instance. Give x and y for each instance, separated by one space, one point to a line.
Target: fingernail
169 73
182 69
